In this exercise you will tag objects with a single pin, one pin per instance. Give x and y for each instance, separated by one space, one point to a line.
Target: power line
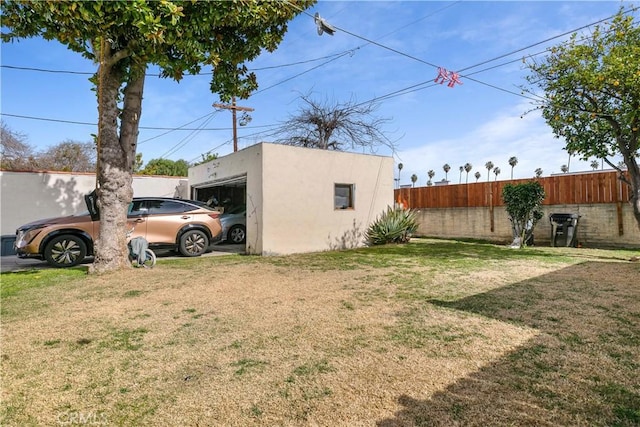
49 120
421 85
180 128
88 73
210 151
304 72
187 138
632 9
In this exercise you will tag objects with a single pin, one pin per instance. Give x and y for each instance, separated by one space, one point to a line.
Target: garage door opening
229 197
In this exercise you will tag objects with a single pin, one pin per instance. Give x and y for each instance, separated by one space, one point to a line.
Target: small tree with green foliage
592 96
524 206
166 167
205 158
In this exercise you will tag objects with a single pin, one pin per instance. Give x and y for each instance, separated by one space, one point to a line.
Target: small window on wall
343 196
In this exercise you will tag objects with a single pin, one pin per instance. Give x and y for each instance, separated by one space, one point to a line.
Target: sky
379 48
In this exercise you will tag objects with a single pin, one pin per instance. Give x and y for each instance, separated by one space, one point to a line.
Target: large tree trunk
629 150
116 156
634 177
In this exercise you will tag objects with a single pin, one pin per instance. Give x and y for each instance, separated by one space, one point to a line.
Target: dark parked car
234 224
188 226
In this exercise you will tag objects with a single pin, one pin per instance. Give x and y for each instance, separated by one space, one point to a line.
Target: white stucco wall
290 195
299 184
29 196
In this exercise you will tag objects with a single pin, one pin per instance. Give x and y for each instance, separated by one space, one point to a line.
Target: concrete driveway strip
11 263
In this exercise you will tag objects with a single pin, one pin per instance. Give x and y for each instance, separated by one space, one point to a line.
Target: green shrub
396 225
524 207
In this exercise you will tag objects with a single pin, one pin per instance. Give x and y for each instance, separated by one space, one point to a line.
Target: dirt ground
510 343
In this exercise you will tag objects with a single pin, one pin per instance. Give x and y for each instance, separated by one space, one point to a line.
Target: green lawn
435 332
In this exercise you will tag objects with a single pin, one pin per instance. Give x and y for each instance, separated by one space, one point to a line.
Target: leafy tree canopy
592 88
178 36
166 167
205 158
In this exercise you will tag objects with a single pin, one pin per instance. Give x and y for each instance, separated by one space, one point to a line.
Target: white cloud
507 134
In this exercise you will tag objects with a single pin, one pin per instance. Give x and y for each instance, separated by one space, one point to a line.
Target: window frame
351 202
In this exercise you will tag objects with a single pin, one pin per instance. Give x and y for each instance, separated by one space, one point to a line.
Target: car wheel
193 243
65 251
237 234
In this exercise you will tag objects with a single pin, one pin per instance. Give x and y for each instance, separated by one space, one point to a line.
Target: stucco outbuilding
299 199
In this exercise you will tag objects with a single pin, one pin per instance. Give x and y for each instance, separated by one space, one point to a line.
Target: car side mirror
91 200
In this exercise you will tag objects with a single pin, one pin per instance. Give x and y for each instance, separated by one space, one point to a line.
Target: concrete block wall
598 225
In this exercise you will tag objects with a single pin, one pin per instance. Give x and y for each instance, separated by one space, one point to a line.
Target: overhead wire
566 33
203 155
187 138
302 73
90 73
181 128
176 129
423 85
403 91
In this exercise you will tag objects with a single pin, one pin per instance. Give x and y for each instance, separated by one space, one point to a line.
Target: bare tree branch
335 126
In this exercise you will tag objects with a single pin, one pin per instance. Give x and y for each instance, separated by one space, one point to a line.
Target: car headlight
24 237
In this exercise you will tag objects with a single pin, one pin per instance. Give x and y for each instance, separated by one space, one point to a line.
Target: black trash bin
564 228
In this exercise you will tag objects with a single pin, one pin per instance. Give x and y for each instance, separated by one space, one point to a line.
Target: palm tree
461 170
538 172
569 161
478 175
513 161
414 178
594 164
497 172
446 168
564 168
467 168
489 166
431 174
400 166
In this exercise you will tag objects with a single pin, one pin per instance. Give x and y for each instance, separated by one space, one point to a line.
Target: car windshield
200 204
235 209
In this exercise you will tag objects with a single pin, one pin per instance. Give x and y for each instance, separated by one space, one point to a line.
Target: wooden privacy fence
586 188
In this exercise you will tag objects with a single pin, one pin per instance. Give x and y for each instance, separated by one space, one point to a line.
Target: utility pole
233 107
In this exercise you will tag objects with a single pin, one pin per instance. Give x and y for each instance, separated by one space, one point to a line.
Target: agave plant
396 225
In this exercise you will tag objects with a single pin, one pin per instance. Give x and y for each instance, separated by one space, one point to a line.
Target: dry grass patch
432 333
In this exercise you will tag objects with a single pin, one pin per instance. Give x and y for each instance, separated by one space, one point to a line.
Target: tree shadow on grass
581 369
